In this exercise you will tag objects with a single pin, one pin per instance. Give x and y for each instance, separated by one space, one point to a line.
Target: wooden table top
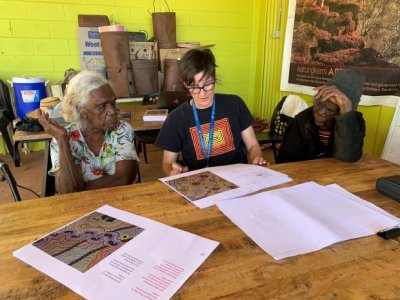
364 268
25 136
136 122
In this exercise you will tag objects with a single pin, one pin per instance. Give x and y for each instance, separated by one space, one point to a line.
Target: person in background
95 150
332 127
209 130
68 75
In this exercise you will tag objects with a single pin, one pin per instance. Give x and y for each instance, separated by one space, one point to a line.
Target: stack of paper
205 187
113 254
155 115
305 218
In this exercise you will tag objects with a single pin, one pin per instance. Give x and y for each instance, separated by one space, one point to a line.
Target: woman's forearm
69 177
125 173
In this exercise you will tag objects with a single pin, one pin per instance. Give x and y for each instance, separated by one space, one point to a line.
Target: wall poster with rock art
323 36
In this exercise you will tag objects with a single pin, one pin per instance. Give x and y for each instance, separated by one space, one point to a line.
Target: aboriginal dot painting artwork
201 185
84 243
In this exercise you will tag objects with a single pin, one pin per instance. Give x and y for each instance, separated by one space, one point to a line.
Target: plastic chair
7 175
285 111
6 117
277 127
142 138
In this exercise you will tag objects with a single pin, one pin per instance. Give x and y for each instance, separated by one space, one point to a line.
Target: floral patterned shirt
118 145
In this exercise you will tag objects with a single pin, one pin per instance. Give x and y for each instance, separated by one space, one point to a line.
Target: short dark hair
196 61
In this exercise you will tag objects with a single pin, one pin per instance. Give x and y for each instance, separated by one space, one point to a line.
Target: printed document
304 218
206 186
113 254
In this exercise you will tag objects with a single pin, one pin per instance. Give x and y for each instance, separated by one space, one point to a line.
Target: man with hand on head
332 127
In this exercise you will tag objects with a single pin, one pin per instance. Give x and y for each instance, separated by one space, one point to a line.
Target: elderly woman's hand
332 94
50 126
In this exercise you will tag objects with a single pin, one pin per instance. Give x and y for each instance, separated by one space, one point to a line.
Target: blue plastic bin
28 92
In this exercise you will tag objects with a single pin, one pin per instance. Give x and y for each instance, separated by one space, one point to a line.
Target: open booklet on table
304 218
111 250
206 186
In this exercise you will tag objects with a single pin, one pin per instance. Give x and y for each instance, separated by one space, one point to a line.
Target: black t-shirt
179 133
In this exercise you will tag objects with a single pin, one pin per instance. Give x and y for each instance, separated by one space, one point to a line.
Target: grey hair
77 94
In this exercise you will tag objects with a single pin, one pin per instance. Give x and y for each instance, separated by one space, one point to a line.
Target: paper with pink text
114 254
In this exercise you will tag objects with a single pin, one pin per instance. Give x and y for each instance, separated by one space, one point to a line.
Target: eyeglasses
197 89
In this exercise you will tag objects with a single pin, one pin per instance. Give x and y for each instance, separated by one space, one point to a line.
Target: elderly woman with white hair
95 150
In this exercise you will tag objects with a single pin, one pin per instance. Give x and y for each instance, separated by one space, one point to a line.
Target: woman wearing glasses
222 119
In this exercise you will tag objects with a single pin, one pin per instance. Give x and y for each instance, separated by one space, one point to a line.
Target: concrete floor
30 173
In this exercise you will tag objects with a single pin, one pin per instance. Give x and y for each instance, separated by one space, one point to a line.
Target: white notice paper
304 218
113 254
206 186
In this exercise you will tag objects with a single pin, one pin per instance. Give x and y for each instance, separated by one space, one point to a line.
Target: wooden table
145 131
364 268
137 117
48 182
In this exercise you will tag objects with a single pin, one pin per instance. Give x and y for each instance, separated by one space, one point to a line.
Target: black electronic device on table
389 186
172 99
151 98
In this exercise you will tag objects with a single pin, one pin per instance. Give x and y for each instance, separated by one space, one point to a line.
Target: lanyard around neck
206 153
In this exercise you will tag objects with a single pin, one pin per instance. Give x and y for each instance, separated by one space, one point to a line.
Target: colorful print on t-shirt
222 141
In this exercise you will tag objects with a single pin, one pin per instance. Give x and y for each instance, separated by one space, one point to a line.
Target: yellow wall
38 38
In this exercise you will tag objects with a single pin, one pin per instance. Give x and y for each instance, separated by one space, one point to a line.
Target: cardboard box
57 91
174 53
142 50
177 53
93 20
90 52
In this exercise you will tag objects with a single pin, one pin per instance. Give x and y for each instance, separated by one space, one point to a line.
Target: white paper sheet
129 100
151 265
248 178
305 218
